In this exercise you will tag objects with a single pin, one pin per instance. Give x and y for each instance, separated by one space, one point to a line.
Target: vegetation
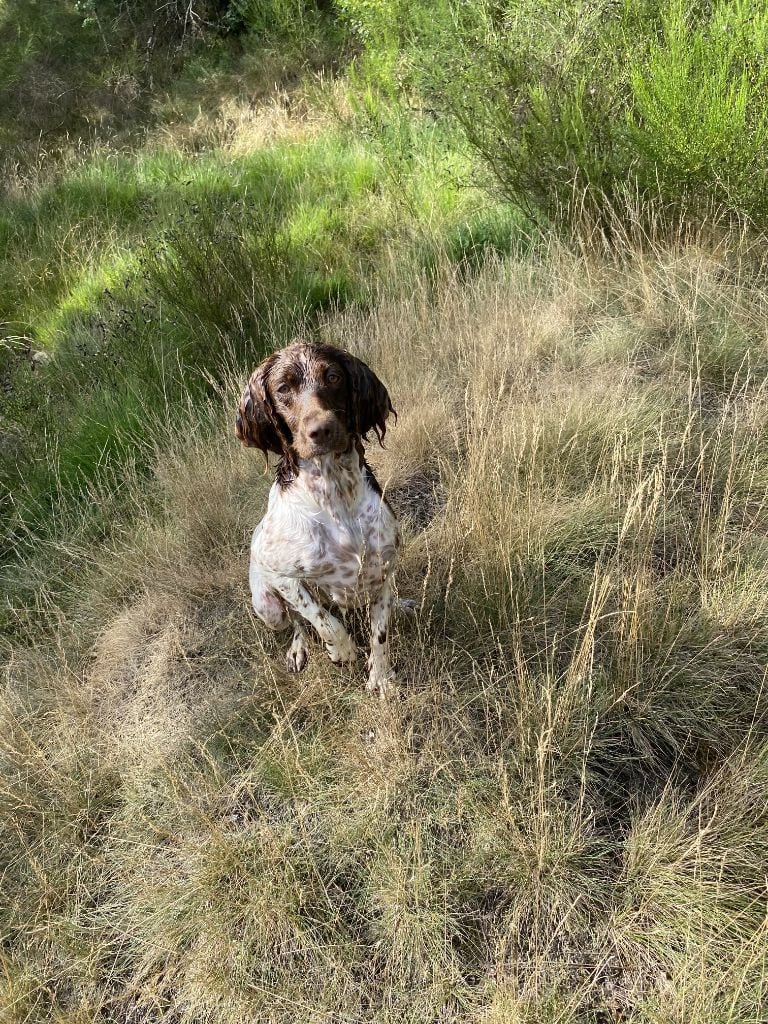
542 226
591 105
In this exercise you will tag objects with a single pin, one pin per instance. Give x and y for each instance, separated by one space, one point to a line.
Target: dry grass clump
242 114
561 817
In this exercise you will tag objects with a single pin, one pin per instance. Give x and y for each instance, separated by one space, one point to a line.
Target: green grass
140 273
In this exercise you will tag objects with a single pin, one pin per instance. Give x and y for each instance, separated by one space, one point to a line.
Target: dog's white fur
329 536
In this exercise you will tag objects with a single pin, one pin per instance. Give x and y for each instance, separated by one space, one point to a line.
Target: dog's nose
319 433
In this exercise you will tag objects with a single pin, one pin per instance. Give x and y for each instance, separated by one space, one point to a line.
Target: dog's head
310 400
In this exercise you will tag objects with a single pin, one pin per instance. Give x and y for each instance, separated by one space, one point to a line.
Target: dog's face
309 392
310 400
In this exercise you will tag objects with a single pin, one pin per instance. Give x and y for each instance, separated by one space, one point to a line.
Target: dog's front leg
298 653
380 674
333 633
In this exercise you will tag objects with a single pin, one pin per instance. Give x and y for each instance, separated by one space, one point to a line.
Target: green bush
699 122
284 20
589 105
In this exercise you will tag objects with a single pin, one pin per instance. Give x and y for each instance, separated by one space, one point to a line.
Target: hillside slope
562 814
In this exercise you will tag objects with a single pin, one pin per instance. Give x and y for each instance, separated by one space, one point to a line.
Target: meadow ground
562 816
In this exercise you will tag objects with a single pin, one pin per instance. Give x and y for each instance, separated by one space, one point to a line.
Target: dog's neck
334 482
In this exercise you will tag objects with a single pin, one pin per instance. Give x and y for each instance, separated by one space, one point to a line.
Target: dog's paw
297 656
382 682
343 652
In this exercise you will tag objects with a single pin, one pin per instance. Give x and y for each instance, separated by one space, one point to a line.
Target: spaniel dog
329 534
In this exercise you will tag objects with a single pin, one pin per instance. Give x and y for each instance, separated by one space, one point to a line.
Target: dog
329 534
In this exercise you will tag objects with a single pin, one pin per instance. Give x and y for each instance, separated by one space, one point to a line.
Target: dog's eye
284 389
332 377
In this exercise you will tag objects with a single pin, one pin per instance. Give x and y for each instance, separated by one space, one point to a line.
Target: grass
137 271
561 818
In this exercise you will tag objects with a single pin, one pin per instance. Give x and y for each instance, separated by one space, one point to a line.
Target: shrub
590 105
699 121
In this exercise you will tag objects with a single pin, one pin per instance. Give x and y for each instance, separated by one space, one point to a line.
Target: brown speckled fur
328 534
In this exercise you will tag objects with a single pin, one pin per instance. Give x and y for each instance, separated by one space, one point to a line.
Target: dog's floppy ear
256 421
369 402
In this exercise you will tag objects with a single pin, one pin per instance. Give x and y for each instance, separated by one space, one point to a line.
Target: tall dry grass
561 817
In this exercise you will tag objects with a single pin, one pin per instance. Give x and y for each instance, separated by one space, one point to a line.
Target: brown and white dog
329 535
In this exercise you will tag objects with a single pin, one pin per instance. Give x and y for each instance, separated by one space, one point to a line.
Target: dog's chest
356 550
331 528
